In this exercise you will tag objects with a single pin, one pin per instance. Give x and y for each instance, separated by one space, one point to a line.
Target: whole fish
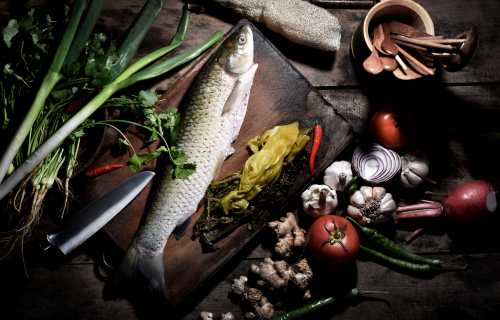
297 20
214 112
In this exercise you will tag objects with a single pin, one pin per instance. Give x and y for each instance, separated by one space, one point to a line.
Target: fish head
236 55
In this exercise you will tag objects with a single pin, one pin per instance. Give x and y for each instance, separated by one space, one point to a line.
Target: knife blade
95 215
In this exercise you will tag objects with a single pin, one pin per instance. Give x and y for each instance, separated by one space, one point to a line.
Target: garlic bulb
414 170
338 175
371 205
319 199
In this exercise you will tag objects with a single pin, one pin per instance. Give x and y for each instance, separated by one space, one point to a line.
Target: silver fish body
214 112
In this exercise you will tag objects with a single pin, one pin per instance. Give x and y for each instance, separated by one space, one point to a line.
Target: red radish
333 241
469 201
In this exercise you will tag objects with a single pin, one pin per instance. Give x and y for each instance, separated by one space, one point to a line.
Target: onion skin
469 202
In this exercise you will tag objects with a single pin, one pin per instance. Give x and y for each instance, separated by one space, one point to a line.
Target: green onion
51 78
126 79
91 17
136 34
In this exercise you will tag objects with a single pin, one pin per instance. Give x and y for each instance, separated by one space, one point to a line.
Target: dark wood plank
279 95
328 70
74 292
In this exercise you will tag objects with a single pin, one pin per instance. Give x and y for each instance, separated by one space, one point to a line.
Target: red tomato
333 241
386 130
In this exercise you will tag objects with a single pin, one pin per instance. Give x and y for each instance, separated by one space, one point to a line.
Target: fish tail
143 267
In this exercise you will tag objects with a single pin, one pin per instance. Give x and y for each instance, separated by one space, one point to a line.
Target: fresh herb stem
85 112
176 41
53 76
91 17
169 64
134 38
165 143
392 247
119 132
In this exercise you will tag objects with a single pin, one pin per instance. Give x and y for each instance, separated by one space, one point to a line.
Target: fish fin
143 267
181 228
234 98
241 90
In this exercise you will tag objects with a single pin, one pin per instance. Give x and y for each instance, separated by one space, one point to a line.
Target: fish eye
242 39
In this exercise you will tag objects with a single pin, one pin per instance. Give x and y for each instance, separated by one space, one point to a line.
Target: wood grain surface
463 108
280 95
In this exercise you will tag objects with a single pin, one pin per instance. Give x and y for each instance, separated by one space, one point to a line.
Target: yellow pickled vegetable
272 149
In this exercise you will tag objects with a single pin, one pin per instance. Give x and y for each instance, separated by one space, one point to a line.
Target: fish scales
212 117
204 139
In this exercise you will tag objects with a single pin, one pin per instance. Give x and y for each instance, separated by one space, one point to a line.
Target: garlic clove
338 175
354 212
378 193
367 192
358 199
414 171
331 180
388 205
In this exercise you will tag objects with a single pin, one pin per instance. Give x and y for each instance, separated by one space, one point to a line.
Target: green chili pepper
392 247
302 311
398 263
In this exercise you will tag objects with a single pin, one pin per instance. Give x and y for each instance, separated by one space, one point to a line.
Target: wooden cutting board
280 95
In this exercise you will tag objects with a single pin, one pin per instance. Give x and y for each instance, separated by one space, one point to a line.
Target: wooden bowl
406 11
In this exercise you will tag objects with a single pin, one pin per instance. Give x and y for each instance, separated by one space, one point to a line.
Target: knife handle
344 4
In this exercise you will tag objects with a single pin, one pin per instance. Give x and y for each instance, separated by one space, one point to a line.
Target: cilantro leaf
170 121
178 156
184 171
10 31
139 159
148 98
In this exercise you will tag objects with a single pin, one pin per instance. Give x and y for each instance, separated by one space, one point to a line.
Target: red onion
376 164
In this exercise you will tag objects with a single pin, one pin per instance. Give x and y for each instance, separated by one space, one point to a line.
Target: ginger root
204 315
278 274
254 297
290 235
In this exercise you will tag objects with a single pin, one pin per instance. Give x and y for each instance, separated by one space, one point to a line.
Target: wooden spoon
415 63
465 51
388 63
387 44
423 43
373 64
409 75
406 30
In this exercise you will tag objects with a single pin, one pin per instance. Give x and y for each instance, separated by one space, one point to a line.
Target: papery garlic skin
371 205
319 199
414 170
338 175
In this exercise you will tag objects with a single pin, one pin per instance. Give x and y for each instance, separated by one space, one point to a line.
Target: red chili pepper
318 133
104 169
76 104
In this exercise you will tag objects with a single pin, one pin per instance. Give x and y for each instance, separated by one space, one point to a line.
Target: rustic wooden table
460 112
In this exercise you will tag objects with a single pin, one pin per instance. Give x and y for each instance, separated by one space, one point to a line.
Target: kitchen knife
95 215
